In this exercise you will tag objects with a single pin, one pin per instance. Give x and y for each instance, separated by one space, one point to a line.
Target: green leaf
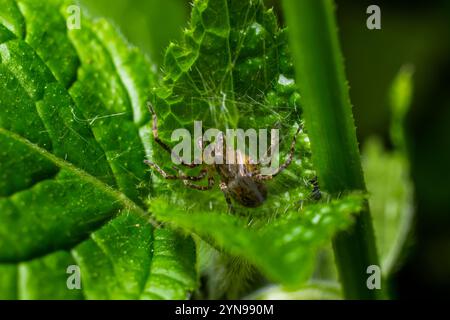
388 178
400 97
140 263
232 69
283 248
313 290
73 126
391 200
143 20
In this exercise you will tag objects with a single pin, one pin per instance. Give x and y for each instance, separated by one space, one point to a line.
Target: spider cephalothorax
243 182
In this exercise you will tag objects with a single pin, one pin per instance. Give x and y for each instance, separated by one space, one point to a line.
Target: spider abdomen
248 192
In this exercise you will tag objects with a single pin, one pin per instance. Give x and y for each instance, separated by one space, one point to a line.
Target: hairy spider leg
286 163
211 182
268 154
162 143
223 186
181 175
202 174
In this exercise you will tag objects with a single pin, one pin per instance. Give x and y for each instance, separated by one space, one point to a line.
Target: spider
242 182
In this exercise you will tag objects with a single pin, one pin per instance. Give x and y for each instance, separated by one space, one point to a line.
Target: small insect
242 182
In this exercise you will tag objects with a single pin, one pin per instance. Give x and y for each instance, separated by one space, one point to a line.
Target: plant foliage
73 182
74 131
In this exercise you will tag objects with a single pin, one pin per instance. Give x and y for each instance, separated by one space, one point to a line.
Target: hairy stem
329 121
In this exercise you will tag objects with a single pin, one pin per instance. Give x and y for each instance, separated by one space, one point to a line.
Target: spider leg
181 175
223 186
162 143
161 171
210 185
286 163
199 177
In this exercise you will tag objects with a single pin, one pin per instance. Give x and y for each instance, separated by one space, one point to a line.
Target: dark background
413 32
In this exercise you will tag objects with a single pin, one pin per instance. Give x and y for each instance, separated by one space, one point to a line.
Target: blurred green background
413 32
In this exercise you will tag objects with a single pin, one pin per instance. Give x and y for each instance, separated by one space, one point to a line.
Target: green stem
329 121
